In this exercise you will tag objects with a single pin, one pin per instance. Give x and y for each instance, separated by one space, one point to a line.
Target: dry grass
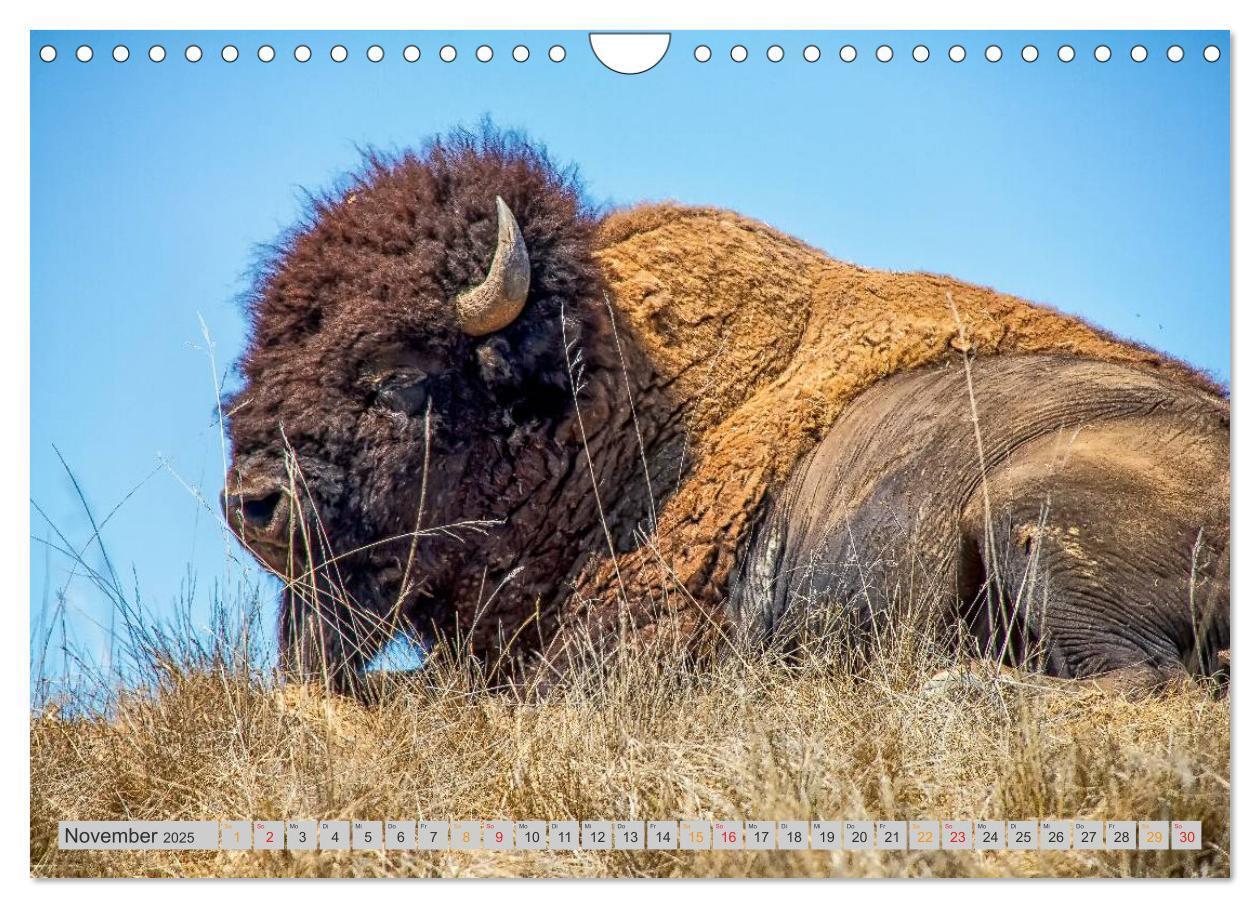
829 736
833 731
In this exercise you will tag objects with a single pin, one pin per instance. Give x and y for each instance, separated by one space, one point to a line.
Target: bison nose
255 509
259 509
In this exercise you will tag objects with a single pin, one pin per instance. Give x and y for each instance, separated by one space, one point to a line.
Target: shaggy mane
419 213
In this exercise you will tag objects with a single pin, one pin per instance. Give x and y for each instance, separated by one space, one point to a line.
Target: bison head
405 391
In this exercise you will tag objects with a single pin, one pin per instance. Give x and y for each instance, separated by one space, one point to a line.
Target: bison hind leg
1027 617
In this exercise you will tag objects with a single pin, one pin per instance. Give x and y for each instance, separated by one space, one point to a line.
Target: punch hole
774 53
920 53
157 53
1138 53
48 53
339 53
811 53
266 53
1030 53
1102 53
229 53
556 53
739 53
411 53
83 53
447 53
883 53
376 53
520 53
1211 53
485 53
192 53
702 54
848 53
121 53
1067 53
958 53
1175 54
629 53
302 53
993 53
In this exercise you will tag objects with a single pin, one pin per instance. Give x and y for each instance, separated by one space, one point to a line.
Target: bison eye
402 393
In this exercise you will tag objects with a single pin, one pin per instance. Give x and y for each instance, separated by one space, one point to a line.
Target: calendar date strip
632 835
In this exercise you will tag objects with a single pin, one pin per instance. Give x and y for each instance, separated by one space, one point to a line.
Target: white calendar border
909 14
641 14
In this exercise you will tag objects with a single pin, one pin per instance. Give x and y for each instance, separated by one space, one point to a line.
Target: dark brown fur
366 286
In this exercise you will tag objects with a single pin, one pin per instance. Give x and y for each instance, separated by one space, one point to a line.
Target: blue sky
1100 188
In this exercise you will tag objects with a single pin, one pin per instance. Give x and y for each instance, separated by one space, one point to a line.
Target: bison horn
497 301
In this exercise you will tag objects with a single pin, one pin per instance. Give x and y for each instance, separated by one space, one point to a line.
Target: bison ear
496 302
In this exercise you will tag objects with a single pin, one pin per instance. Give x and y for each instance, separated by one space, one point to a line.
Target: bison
474 407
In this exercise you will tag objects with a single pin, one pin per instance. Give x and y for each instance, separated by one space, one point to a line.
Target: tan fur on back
766 339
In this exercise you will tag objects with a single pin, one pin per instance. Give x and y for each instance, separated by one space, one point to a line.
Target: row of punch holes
702 53
338 53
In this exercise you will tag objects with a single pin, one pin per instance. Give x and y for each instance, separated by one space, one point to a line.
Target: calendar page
667 453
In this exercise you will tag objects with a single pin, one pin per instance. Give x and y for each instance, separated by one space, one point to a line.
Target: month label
139 835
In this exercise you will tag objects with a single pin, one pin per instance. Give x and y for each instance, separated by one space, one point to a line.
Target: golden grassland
822 735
